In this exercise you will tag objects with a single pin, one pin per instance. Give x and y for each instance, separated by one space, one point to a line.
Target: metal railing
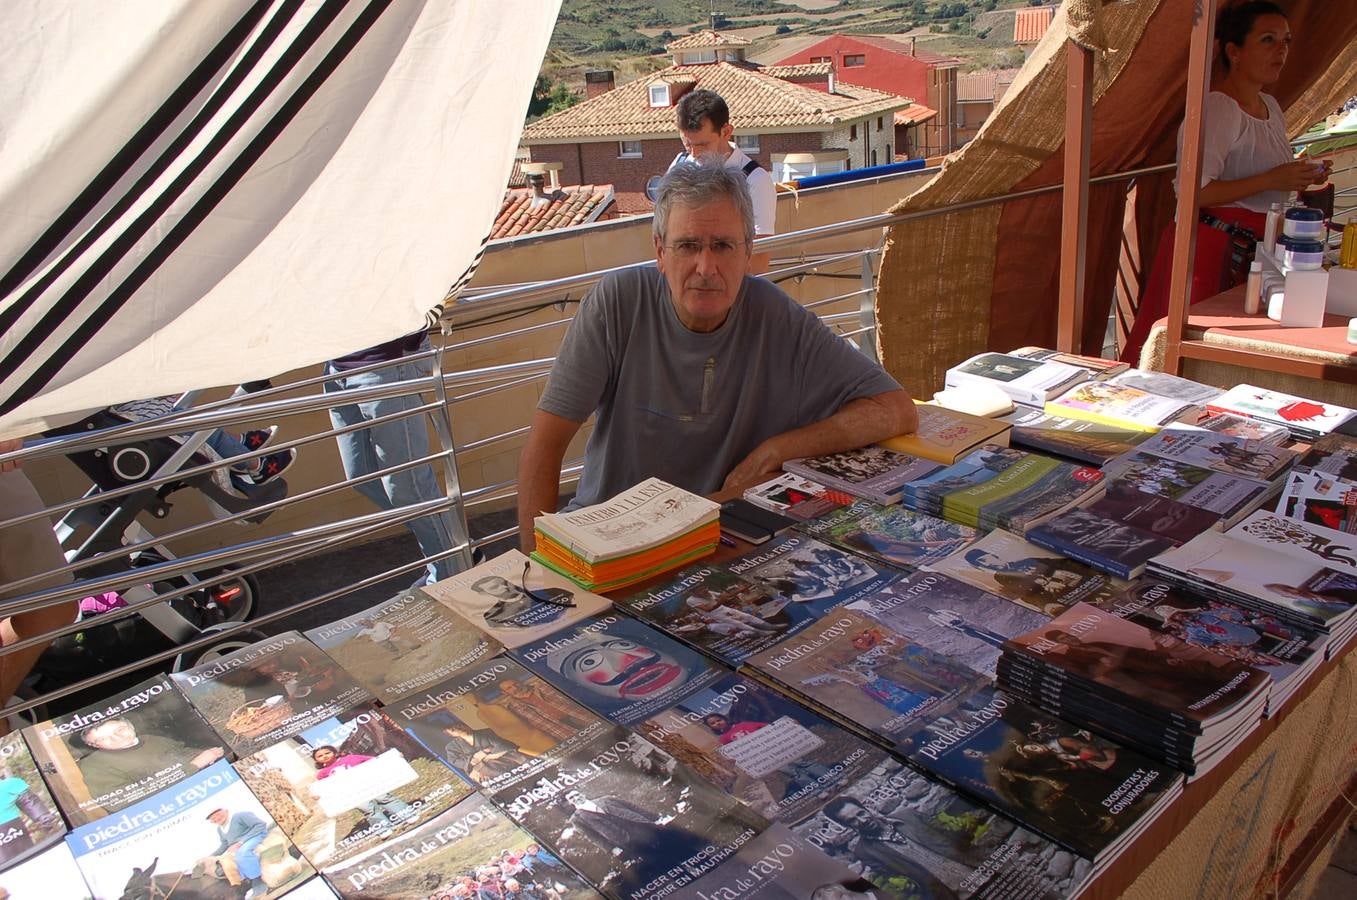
110 568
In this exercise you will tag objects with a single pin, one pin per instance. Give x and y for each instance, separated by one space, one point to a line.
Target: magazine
313 889
865 673
778 865
1150 513
270 690
944 435
1233 456
1336 549
101 758
48 875
1305 418
1026 574
471 850
749 603
403 645
1060 780
1334 455
618 667
341 788
515 600
649 514
952 618
911 836
1123 407
35 822
630 818
1163 384
1320 499
1104 543
1240 427
872 472
890 534
1102 369
1028 381
1091 443
497 723
1231 496
796 497
756 744
1023 495
205 836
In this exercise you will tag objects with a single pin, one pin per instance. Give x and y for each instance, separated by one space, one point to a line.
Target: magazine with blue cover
618 667
894 535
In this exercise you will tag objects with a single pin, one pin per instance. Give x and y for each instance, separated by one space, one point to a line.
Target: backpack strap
750 168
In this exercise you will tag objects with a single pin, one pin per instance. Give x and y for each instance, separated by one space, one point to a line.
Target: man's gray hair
696 184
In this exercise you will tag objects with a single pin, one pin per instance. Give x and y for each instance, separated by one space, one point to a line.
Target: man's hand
766 459
9 445
207 758
539 471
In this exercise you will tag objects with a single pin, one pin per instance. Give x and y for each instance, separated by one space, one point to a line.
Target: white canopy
203 192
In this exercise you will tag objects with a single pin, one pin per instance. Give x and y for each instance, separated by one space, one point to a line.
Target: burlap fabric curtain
960 283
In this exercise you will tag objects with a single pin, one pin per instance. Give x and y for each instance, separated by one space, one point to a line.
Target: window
696 57
853 60
852 132
659 95
629 149
820 59
880 122
749 143
889 158
873 157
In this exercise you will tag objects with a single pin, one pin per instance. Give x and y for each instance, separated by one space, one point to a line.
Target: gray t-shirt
687 407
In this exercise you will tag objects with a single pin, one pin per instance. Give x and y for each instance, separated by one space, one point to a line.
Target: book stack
1175 702
1096 366
1119 406
1320 499
1307 420
1165 385
1091 443
945 435
1028 381
1295 588
796 497
1333 454
893 535
1306 540
1240 427
643 532
1003 487
872 473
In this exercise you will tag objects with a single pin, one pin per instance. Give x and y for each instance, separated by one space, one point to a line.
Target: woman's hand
1295 176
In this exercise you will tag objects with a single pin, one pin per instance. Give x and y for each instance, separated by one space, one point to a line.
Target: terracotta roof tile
801 70
707 38
977 86
913 115
568 206
894 46
757 101
1030 24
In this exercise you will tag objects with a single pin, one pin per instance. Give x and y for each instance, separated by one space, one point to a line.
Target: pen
727 541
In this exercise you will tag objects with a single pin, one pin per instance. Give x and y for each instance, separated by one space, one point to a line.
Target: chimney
598 81
536 181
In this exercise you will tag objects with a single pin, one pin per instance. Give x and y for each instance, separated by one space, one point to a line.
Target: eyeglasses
721 248
540 597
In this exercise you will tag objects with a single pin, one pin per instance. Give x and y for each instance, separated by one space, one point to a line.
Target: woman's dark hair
1235 22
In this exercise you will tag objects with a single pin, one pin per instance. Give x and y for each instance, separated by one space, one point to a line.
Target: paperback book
945 435
49 874
796 497
1306 419
1222 453
1028 575
865 673
1232 497
270 690
1119 406
1334 455
873 472
1028 381
629 818
402 645
1163 384
1085 792
952 618
516 600
1102 369
206 836
1102 542
650 514
1240 427
102 758
497 723
890 534
1091 443
759 746
1320 499
618 667
912 836
471 850
33 822
1153 514
1326 546
737 608
343 787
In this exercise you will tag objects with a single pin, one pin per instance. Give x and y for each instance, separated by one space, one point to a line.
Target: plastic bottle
1274 222
1348 256
1253 291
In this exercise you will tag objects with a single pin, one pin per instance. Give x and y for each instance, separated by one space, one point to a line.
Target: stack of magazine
1179 703
1113 404
652 528
1307 420
890 534
872 473
1028 381
796 497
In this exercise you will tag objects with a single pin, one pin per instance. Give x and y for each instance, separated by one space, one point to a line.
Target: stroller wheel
238 640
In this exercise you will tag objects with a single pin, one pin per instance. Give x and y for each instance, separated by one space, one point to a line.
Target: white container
1253 291
1302 256
1304 223
1273 228
1305 296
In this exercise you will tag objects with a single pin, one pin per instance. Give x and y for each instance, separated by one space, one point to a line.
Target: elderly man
699 374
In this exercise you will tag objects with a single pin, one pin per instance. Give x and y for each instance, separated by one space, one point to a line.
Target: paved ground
1339 881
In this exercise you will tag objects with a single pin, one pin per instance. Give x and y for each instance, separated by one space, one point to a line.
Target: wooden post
1189 181
1074 207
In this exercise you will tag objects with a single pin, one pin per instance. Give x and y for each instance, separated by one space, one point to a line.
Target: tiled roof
894 46
1005 77
707 38
569 206
913 115
803 70
1030 24
757 101
977 86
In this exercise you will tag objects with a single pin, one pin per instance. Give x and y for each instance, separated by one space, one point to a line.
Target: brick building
625 135
897 67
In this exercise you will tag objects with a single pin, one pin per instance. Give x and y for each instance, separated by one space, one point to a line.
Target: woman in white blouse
1247 162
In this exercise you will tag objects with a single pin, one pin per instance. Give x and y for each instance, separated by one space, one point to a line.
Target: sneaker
271 466
259 438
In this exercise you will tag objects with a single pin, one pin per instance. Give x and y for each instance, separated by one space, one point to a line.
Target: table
1317 363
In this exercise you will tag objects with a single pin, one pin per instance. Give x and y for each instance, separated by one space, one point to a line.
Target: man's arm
539 471
857 423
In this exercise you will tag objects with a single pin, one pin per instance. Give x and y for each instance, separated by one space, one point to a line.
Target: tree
550 97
